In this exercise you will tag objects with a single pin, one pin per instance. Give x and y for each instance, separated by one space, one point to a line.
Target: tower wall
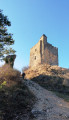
35 56
51 54
43 52
43 40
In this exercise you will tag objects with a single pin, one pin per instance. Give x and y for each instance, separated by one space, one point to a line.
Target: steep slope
52 77
48 70
48 106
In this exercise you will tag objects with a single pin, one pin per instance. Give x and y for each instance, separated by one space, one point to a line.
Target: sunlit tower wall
43 52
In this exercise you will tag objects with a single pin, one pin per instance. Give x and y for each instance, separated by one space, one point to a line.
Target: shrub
8 74
25 68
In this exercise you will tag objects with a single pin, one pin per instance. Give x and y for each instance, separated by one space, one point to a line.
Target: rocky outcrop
47 72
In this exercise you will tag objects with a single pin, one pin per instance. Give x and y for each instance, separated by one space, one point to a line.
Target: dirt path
48 106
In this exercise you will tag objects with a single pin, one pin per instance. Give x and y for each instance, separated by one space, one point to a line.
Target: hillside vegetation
51 77
16 100
9 75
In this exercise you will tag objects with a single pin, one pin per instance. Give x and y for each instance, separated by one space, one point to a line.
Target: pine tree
6 39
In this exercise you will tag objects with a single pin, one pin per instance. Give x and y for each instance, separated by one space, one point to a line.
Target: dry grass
53 78
16 103
16 100
53 84
48 70
9 75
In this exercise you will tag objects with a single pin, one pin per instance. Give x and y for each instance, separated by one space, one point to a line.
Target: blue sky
32 18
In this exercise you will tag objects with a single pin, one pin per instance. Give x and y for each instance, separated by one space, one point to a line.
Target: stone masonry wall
35 56
51 55
43 52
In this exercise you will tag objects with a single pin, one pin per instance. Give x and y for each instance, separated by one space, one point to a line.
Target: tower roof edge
44 35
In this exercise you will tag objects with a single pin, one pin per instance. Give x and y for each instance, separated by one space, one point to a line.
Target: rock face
43 52
49 74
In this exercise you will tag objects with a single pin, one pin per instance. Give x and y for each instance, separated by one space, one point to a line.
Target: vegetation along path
48 106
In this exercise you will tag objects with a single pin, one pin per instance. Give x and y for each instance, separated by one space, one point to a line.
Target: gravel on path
48 106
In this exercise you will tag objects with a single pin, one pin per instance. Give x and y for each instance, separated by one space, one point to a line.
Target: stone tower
43 52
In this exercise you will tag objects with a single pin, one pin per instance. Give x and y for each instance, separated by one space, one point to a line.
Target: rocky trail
48 106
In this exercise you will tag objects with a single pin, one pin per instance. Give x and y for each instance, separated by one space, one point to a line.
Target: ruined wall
35 56
43 52
43 43
51 55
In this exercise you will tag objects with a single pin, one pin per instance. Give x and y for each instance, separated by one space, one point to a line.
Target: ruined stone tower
10 60
43 52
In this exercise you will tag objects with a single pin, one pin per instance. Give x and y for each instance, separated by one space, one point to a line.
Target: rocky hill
51 76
